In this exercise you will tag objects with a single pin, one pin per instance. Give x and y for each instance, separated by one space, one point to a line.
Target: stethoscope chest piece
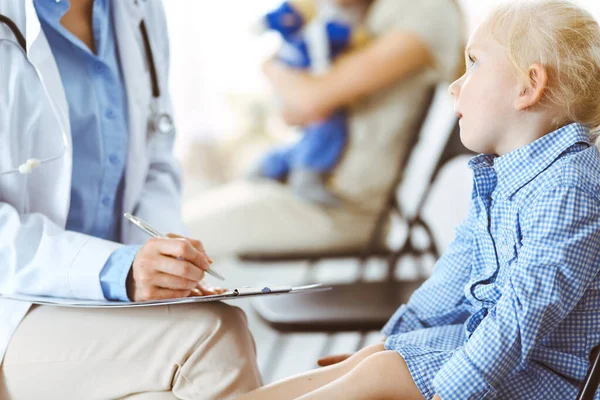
163 124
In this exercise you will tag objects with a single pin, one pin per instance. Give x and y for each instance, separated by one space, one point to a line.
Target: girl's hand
331 360
437 397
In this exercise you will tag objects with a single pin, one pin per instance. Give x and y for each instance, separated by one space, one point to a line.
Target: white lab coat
37 255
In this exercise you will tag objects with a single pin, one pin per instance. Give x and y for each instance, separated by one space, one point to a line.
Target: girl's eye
472 61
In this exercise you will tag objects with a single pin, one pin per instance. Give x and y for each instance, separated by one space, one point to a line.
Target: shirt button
106 201
110 114
98 68
114 159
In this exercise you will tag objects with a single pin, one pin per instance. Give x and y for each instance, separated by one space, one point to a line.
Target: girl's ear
533 89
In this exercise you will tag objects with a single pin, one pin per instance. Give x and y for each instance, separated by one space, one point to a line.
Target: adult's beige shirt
382 125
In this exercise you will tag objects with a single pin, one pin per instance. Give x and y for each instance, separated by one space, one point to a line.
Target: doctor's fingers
182 249
194 242
156 293
168 281
179 268
207 290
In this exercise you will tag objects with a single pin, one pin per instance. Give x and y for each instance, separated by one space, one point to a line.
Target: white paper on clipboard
229 295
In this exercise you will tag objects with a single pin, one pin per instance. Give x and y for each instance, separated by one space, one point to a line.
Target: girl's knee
384 360
387 376
358 357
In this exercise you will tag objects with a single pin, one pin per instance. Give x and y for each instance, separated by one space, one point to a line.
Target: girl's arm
388 59
559 259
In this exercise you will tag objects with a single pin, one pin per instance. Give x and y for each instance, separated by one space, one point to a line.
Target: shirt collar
520 166
51 12
28 23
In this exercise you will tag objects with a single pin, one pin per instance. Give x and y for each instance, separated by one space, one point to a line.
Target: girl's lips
458 114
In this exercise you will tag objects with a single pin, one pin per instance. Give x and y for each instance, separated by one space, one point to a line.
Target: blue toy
314 34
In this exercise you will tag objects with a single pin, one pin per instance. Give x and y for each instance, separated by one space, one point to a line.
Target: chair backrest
592 378
390 203
438 138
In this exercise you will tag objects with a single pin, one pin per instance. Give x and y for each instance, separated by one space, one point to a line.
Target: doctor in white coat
65 181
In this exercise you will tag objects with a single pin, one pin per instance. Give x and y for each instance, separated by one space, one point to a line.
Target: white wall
212 54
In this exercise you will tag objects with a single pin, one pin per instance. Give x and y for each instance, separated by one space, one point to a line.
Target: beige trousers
266 217
193 351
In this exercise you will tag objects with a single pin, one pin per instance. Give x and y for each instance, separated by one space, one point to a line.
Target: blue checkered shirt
521 279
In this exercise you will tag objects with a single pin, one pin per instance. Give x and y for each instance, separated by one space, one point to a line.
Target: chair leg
362 269
592 378
310 274
361 341
274 357
326 348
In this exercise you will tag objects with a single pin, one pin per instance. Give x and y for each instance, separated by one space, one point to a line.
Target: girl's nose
454 88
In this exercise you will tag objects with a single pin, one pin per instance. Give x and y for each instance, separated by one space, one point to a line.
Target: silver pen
143 225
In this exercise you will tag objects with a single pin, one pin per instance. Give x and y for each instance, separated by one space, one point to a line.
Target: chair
592 378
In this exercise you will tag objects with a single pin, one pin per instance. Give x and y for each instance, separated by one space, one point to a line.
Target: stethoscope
159 121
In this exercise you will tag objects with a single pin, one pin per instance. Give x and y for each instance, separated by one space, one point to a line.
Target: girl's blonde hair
461 65
565 39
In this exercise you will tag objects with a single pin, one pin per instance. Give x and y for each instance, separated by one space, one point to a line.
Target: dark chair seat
363 307
312 256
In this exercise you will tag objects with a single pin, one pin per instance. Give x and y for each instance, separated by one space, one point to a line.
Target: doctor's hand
166 269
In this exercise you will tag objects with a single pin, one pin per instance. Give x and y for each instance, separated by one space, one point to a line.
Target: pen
143 225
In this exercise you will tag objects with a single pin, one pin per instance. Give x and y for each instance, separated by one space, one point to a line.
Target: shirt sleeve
113 277
440 300
558 260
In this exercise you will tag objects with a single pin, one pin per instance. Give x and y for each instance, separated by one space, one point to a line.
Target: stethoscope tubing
26 167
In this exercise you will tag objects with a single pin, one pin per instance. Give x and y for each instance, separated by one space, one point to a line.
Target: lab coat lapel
127 16
40 55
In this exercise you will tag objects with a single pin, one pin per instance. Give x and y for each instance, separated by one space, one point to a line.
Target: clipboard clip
266 289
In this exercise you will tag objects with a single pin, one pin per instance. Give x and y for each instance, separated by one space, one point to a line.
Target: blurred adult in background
386 86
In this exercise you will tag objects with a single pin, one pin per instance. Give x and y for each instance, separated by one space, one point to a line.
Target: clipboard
229 295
